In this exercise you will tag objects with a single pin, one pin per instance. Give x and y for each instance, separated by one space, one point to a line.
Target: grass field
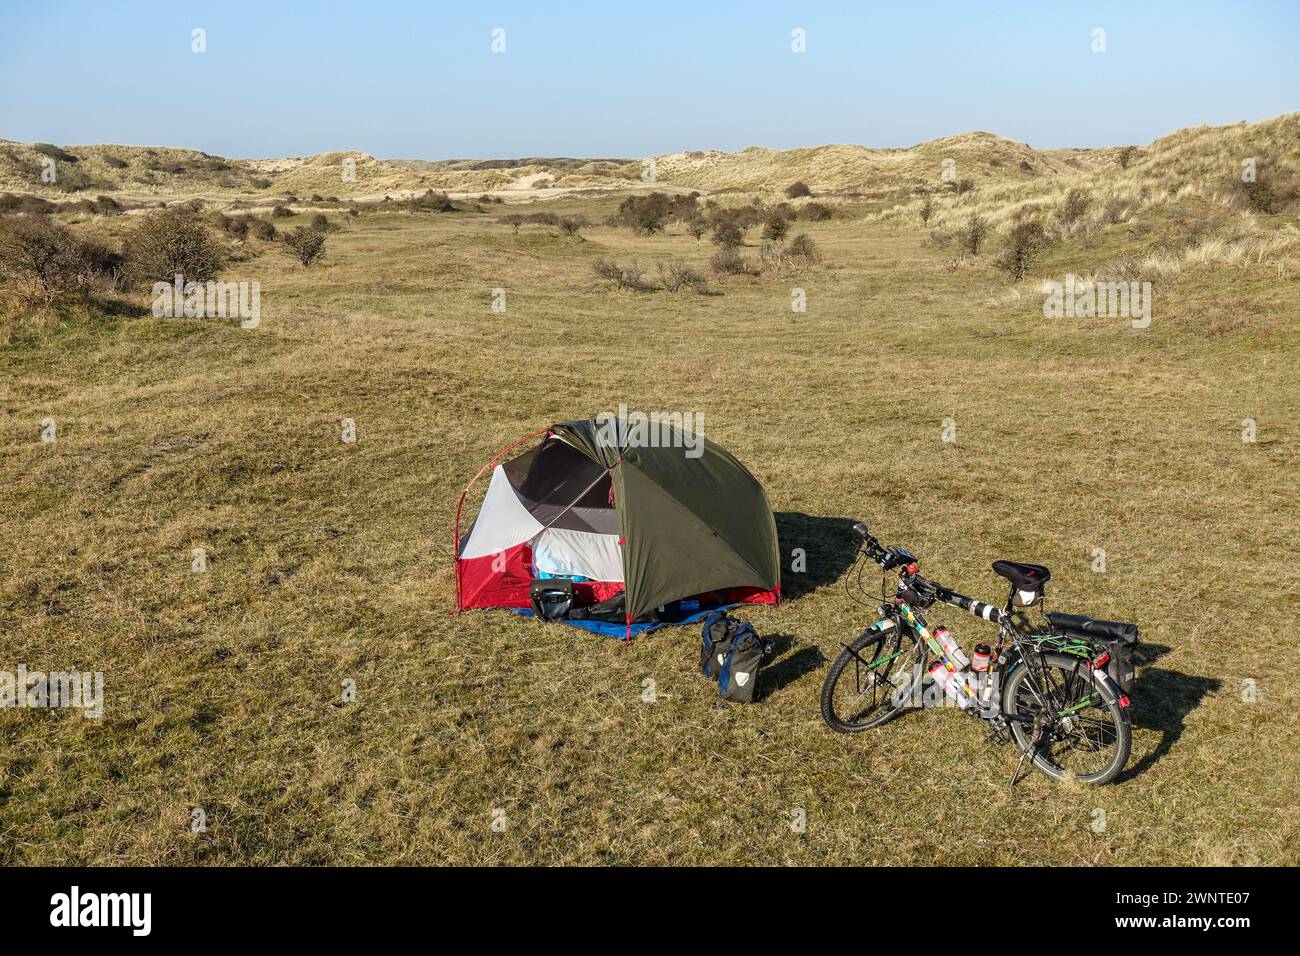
330 561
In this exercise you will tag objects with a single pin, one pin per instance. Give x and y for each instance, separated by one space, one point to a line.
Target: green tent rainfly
665 521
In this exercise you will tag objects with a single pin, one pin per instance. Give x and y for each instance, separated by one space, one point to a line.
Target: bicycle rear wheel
1083 732
872 680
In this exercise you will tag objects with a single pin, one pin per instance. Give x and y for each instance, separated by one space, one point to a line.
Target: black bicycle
1061 695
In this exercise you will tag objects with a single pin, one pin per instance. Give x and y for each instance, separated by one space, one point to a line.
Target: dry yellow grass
330 561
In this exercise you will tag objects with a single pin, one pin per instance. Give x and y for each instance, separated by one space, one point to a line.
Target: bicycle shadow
1161 701
828 549
784 672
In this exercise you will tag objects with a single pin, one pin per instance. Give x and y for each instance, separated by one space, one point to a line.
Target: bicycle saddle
1026 577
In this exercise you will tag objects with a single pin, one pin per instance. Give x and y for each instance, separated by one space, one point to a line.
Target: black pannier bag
551 598
1118 637
741 665
715 642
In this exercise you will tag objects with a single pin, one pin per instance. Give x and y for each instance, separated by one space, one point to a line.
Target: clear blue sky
419 79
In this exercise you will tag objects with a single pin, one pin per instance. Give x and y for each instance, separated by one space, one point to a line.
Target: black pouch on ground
609 611
552 598
741 665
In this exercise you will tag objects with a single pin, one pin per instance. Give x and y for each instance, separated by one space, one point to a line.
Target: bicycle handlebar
887 558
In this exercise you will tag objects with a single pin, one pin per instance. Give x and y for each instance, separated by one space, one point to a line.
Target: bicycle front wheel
1068 717
872 680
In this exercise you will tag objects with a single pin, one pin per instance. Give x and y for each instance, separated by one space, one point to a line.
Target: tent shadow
827 545
787 670
1161 701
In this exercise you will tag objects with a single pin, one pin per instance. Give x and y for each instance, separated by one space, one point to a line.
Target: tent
677 519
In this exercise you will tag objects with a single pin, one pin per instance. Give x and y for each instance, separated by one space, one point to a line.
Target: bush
431 201
816 212
279 211
115 163
321 223
727 261
106 206
1075 205
571 225
926 211
170 242
697 226
798 190
262 229
1259 196
1126 156
971 236
647 214
622 277
802 247
728 233
42 262
307 245
679 275
10 203
964 186
258 182
775 228
54 152
1025 241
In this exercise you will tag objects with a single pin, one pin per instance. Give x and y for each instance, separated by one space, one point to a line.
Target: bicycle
1057 694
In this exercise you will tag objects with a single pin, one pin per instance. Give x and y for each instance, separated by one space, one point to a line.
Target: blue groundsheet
690 612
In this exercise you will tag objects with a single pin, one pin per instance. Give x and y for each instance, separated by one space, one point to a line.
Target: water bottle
979 660
951 649
952 682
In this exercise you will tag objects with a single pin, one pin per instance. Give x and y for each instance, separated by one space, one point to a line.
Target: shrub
115 163
106 206
964 186
622 277
1024 243
798 190
279 211
775 228
802 247
170 242
258 182
816 212
926 211
1259 196
571 225
316 197
431 201
647 214
1075 205
727 261
54 152
1126 156
679 275
10 203
262 229
728 234
971 236
41 261
321 223
307 245
697 226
